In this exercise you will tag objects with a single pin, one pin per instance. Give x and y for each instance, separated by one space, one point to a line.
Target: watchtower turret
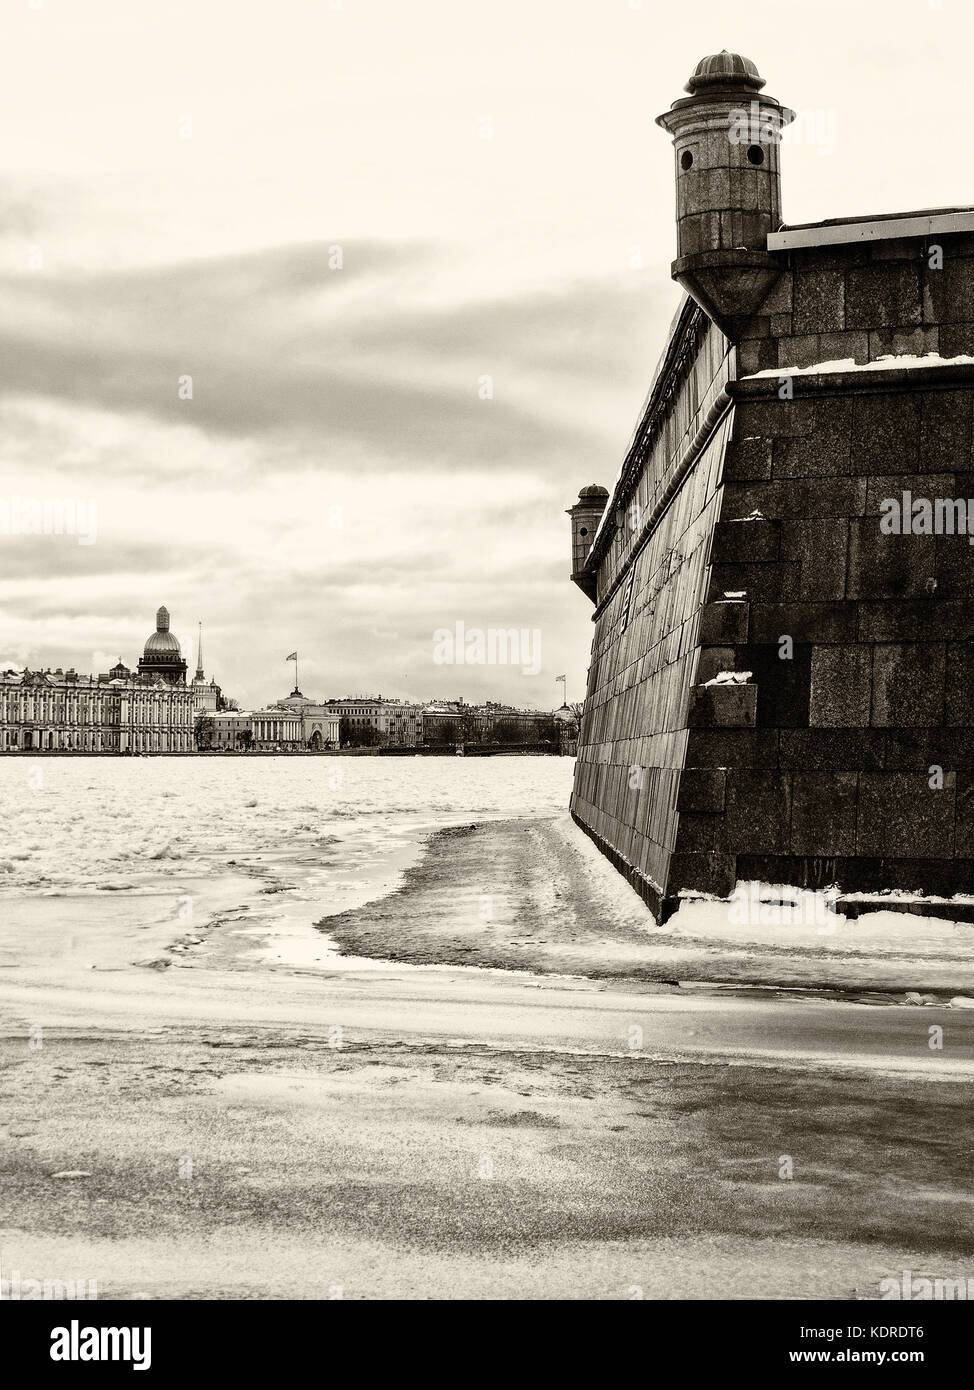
727 141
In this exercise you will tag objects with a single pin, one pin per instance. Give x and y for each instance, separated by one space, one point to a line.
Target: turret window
755 154
686 159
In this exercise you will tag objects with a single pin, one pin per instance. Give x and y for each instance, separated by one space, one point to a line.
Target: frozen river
272 844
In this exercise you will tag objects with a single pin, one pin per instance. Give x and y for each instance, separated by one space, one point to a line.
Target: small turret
586 515
726 140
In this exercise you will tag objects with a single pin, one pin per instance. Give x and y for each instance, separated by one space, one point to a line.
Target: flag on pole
557 678
292 657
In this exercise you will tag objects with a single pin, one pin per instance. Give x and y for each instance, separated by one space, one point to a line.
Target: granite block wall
855 764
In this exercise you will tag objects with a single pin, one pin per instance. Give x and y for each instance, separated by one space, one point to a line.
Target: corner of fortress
781 684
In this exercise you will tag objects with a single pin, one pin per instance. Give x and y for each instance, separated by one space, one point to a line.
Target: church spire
199 654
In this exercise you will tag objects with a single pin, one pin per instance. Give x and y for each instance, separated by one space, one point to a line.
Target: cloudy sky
178 183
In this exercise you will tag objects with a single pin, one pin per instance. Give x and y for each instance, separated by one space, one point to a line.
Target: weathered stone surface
888 566
748 459
901 816
887 294
723 706
959 689
812 456
803 622
724 622
825 749
757 813
732 748
823 813
886 434
908 684
702 789
819 303
782 684
749 538
819 545
841 685
945 432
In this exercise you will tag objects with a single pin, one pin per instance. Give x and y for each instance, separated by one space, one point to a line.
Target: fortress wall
822 771
651 590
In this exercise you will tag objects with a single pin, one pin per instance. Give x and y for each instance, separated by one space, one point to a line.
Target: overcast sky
173 180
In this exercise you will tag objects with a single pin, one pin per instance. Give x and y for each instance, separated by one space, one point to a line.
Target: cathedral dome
162 642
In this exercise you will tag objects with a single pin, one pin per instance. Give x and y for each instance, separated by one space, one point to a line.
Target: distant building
152 710
455 720
320 725
114 713
207 695
395 722
268 730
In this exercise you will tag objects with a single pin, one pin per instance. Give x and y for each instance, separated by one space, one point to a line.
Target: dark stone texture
696 833
724 623
702 789
819 545
757 813
759 583
701 873
811 456
745 539
747 459
817 749
945 431
732 748
927 619
888 566
782 685
964 815
823 813
722 706
886 434
908 684
803 622
841 681
919 750
901 816
819 301
888 294
959 692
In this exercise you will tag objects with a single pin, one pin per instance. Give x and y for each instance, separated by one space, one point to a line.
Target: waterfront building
320 723
392 722
62 711
268 730
781 685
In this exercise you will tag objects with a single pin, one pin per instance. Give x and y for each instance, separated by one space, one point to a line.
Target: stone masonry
781 685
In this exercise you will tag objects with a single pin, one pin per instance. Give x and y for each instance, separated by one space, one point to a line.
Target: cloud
362 361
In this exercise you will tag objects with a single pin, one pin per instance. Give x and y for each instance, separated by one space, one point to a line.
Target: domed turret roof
725 69
593 490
